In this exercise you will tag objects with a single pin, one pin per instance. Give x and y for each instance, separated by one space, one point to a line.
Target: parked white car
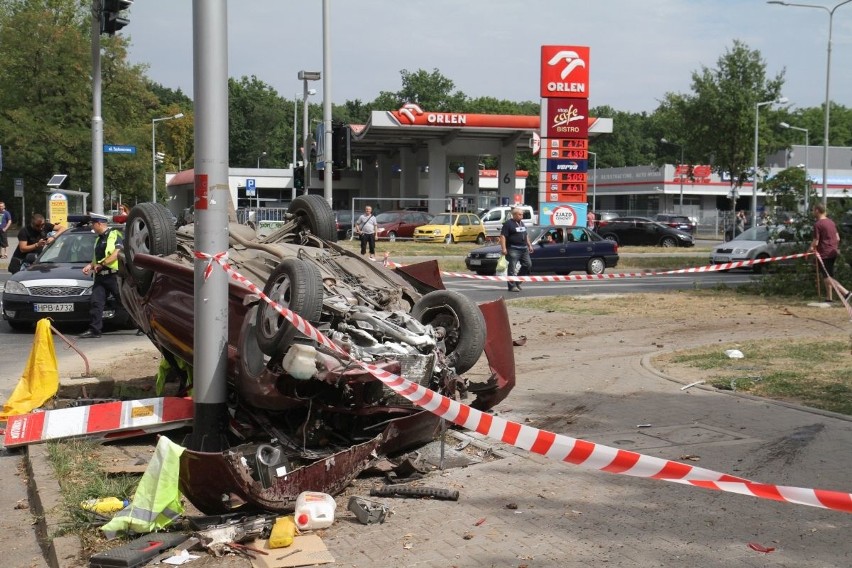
494 218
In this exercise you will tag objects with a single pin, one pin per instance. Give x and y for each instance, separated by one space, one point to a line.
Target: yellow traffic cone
40 380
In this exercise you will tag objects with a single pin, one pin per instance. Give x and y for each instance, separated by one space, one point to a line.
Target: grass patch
79 470
813 373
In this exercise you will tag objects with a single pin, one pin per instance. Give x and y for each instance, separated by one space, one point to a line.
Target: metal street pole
97 119
257 189
295 127
807 161
594 178
306 76
154 122
327 156
827 88
757 106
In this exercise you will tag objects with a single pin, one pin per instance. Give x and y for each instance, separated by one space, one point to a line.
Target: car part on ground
313 406
569 249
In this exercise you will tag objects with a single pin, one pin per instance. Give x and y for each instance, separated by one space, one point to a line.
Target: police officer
103 267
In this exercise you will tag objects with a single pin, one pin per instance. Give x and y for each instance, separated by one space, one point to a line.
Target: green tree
716 121
259 121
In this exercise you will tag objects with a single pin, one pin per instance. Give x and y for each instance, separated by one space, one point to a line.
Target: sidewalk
599 384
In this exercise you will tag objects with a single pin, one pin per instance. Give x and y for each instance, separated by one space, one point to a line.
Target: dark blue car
556 249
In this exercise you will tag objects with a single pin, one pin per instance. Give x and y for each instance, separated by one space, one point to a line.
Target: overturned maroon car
303 417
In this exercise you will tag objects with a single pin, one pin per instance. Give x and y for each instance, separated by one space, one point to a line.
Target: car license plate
475 262
45 308
720 259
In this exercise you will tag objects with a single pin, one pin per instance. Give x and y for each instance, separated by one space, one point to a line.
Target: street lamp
757 106
594 178
664 141
306 76
827 89
154 152
262 155
807 161
295 129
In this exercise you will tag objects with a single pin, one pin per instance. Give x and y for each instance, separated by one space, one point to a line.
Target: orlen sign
565 71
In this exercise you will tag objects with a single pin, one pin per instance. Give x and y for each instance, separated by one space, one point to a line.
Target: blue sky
639 50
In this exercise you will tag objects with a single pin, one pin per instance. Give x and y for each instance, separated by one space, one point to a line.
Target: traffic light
299 177
340 143
111 18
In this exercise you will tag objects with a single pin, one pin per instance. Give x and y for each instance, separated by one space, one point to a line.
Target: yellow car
450 228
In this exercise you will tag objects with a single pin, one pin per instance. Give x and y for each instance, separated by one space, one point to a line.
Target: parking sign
250 188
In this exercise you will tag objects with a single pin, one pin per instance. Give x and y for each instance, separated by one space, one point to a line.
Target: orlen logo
564 71
563 215
410 111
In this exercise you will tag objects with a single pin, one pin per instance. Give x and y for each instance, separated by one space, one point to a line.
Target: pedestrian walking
826 244
103 269
516 247
590 220
33 238
5 223
365 228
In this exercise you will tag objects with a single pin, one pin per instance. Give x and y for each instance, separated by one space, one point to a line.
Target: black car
556 249
680 222
638 231
344 220
54 285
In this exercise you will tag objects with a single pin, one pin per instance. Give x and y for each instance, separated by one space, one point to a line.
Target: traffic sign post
251 191
19 192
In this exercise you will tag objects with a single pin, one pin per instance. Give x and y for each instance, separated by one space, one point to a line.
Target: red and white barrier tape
618 275
557 446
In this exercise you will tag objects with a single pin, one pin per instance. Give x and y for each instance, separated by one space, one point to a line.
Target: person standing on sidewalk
5 223
826 244
103 267
516 247
365 228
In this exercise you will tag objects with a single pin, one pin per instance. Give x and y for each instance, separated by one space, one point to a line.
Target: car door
645 233
546 256
407 224
463 226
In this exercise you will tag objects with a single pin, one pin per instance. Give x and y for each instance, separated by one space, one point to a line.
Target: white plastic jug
314 510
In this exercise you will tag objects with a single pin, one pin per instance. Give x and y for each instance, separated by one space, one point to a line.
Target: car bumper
19 308
482 265
429 238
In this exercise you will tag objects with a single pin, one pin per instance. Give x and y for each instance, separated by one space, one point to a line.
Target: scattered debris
690 385
467 536
644 425
479 522
757 547
511 506
367 511
407 491
734 354
691 457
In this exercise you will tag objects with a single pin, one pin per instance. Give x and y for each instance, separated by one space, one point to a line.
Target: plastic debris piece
690 385
644 425
757 547
367 511
479 522
734 354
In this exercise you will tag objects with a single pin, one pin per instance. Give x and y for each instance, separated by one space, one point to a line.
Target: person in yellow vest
103 268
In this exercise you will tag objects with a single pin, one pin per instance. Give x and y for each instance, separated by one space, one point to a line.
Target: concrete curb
646 364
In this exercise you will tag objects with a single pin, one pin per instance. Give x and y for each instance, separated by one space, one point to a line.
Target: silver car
763 241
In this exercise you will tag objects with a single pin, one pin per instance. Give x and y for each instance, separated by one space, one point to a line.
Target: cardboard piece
311 548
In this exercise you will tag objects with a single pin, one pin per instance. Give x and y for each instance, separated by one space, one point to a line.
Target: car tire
611 237
596 265
392 236
448 240
314 214
252 358
668 242
462 322
149 230
480 239
296 285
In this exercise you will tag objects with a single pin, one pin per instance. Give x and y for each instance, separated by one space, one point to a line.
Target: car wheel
149 230
349 234
296 285
480 239
252 359
762 267
448 240
596 266
610 237
392 236
314 214
459 320
668 242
